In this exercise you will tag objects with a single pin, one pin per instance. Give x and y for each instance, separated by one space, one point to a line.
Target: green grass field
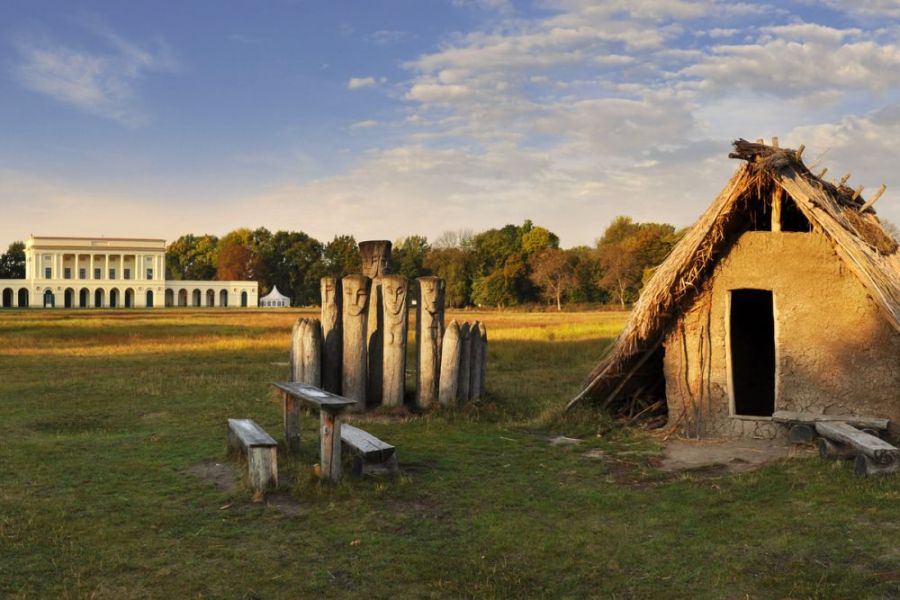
112 424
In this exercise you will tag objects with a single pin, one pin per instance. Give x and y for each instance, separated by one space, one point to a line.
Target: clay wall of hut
834 353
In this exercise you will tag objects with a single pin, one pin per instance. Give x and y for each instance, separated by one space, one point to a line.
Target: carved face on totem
356 294
394 288
430 286
330 300
375 256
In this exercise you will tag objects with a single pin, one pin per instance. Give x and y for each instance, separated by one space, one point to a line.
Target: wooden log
463 392
822 173
776 208
355 314
802 433
833 451
291 413
395 289
864 465
429 335
858 191
330 445
482 363
475 361
862 422
875 448
449 378
332 334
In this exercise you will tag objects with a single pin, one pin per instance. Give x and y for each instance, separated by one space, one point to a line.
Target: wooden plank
250 434
365 444
776 208
832 451
314 396
785 416
262 467
873 447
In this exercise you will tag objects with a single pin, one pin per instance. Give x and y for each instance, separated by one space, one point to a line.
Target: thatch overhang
633 364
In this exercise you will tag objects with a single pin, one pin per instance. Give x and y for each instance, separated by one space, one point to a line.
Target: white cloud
100 82
367 124
357 83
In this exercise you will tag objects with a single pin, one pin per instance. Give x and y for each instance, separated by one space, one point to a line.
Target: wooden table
330 407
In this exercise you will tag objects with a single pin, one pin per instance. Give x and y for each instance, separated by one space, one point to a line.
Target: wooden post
776 208
429 335
332 334
375 259
832 451
330 445
483 356
475 362
449 379
291 411
395 322
465 362
297 350
865 465
355 315
311 353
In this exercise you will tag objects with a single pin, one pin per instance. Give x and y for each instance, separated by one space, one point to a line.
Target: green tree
341 256
408 257
453 266
293 262
192 257
12 262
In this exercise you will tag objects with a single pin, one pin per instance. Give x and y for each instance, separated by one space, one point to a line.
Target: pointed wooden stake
775 142
844 179
800 151
873 199
776 208
858 192
822 174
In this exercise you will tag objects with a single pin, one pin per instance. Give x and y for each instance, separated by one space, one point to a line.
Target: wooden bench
245 436
803 425
872 454
330 407
370 455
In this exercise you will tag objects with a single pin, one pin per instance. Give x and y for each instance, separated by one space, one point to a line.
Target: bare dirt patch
223 475
718 457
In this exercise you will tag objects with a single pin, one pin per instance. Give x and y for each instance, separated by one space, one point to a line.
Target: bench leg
292 424
263 466
330 450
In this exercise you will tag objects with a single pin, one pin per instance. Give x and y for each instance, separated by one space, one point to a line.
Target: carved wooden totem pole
376 257
395 289
429 334
332 334
355 314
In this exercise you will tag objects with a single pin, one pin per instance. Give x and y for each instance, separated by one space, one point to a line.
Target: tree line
507 266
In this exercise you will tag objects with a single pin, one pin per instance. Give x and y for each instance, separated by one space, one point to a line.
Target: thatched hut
784 296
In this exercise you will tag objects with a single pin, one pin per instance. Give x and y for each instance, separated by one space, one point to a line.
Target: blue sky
399 117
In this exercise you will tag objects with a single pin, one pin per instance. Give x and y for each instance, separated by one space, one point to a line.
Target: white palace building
69 272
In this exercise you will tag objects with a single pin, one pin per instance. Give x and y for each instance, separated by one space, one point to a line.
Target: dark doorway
149 302
49 300
98 299
129 298
23 298
752 332
69 298
84 297
114 298
8 298
244 299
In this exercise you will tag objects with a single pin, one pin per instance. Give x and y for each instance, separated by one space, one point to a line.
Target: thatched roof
832 209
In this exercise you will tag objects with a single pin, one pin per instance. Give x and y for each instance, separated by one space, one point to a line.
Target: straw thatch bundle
634 364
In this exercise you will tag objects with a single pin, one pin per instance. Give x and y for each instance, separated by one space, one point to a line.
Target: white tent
274 299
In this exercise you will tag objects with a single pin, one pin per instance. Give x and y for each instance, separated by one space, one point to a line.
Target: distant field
111 484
